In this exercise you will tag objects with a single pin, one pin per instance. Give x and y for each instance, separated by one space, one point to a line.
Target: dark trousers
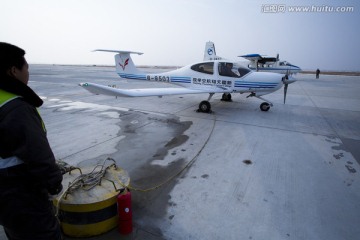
27 214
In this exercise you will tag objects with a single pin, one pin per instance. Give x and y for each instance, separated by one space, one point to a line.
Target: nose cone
288 79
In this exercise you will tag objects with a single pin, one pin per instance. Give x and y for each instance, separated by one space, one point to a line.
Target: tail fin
210 53
123 61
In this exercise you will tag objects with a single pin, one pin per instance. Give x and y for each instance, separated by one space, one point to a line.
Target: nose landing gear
265 106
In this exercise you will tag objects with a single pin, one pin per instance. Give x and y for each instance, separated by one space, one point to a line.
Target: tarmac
237 173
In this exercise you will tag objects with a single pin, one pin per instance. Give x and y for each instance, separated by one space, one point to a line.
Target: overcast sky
174 32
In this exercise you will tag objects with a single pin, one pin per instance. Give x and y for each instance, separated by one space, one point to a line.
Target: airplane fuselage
277 67
246 81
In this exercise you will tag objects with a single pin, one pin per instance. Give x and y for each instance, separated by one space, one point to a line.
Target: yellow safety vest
6 97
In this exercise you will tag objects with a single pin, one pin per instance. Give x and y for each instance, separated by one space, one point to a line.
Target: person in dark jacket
29 174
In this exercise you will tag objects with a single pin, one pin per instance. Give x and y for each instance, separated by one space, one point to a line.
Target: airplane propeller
285 89
286 81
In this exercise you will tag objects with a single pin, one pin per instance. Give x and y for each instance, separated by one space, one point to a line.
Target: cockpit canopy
227 69
205 67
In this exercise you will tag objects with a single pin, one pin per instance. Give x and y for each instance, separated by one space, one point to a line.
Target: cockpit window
243 71
207 67
229 69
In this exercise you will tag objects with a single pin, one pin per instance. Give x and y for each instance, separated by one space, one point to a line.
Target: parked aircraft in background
270 64
257 63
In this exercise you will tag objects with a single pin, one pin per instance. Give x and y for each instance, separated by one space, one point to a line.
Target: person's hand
53 196
55 190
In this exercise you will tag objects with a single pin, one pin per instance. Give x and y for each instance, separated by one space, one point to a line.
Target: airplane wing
146 92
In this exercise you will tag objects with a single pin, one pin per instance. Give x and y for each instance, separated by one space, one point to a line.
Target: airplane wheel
226 97
265 106
205 107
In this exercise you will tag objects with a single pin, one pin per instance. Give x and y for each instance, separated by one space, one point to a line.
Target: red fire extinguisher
125 212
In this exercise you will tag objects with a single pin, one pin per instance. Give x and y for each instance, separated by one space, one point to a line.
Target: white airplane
211 77
257 62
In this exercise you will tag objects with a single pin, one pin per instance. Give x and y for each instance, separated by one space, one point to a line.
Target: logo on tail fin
126 62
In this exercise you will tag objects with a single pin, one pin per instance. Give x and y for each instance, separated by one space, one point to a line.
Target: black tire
226 97
265 106
205 107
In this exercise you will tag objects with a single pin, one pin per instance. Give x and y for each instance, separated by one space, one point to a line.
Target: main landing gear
205 106
226 97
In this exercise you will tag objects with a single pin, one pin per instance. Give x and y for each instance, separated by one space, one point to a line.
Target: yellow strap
42 122
6 97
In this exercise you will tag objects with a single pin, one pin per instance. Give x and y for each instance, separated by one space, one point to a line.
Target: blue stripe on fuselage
244 84
180 79
294 68
133 76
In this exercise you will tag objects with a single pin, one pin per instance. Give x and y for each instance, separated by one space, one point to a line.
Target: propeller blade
285 91
286 81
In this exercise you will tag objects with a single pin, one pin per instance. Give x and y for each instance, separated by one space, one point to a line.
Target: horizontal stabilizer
116 51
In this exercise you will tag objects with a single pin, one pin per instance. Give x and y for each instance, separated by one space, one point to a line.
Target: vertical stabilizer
123 61
125 64
209 52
